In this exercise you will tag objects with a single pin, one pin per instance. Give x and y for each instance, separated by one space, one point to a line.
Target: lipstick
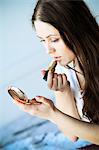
51 68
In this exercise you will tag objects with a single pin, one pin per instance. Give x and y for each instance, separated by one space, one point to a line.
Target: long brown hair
80 31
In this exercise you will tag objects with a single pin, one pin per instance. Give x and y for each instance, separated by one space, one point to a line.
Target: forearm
73 126
65 102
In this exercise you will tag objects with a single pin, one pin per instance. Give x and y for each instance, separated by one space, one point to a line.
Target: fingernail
37 97
43 72
50 71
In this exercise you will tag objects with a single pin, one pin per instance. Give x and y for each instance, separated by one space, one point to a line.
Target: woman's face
53 43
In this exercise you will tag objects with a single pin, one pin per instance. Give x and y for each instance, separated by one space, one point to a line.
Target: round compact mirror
18 95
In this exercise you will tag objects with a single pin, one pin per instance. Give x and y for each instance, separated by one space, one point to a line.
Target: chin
62 63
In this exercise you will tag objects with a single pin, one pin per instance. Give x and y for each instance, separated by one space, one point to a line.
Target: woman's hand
57 82
41 107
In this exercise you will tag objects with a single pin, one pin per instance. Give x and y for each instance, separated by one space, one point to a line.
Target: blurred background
21 55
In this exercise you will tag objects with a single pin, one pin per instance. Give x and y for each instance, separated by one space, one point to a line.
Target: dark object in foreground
90 147
51 68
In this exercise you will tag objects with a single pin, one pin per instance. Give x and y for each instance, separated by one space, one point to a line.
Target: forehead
44 29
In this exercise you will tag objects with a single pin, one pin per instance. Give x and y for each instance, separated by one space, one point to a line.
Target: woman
70 35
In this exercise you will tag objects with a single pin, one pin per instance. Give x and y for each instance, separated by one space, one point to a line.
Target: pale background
21 55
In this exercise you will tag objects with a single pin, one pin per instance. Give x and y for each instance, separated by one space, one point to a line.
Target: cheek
69 57
60 48
67 51
67 54
63 50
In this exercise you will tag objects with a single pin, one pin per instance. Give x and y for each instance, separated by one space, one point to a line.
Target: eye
42 40
55 40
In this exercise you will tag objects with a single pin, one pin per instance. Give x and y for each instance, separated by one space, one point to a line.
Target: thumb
42 100
43 72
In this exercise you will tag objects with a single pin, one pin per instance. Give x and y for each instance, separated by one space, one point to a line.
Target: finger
64 80
19 104
42 99
43 72
60 81
55 84
50 79
26 108
32 101
55 75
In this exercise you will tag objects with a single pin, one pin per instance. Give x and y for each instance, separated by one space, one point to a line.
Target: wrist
54 115
64 92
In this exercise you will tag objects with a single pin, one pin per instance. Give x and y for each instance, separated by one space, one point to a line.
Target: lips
57 58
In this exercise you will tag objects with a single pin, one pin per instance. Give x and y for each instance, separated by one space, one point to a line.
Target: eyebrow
48 35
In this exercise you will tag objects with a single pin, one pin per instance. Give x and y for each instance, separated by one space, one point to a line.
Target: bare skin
65 110
65 101
55 47
45 109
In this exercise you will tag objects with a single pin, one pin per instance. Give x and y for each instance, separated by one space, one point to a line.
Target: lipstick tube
51 68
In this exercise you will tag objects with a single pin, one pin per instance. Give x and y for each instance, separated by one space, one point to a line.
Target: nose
49 49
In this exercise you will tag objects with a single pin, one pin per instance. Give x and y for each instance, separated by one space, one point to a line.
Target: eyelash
42 40
56 40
